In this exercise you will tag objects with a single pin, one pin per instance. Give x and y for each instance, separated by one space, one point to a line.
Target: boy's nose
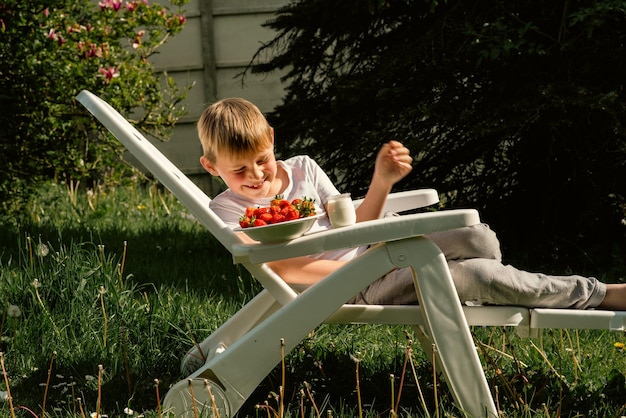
256 173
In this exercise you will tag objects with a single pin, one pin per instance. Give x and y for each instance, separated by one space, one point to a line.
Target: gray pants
475 262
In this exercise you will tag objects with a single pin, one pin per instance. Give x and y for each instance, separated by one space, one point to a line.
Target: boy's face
253 176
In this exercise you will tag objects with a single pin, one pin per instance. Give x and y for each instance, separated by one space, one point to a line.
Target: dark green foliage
514 108
49 52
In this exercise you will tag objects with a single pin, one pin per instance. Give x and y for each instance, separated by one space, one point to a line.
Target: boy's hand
393 163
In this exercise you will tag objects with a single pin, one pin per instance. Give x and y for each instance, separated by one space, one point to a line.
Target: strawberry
259 222
277 218
245 222
266 217
305 206
276 200
290 213
261 210
274 209
249 212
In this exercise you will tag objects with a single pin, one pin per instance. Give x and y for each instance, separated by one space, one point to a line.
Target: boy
238 146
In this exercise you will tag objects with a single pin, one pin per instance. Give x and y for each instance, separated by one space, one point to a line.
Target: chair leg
447 326
255 311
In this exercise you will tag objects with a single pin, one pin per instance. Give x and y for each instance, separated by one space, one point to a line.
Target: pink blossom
46 12
94 51
52 35
113 4
131 6
109 73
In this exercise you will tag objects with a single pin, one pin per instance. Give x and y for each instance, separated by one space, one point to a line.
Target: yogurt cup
341 210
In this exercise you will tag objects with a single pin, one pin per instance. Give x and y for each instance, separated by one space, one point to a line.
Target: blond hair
233 127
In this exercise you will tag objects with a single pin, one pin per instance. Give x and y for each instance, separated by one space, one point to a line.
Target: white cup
341 210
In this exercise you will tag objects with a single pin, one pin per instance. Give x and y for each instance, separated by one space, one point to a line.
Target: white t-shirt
306 179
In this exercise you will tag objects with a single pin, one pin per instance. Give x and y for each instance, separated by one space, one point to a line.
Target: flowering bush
49 52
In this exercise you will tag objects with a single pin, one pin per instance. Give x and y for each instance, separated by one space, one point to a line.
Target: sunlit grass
103 291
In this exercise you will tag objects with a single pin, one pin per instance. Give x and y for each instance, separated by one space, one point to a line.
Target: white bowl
283 231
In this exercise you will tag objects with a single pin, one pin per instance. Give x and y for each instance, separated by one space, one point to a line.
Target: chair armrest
362 233
411 199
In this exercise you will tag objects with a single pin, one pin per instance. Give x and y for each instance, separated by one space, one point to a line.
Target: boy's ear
208 166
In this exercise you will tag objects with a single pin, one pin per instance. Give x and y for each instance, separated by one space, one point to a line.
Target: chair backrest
161 167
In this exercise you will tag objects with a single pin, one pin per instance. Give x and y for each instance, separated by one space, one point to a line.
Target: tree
512 107
49 52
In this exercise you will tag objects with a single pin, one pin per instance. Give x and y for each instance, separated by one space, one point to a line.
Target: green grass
126 280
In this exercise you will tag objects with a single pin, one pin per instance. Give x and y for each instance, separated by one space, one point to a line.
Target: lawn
102 291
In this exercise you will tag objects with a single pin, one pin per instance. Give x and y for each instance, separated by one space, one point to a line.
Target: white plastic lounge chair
234 360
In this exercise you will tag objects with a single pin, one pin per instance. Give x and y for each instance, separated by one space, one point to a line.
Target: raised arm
393 163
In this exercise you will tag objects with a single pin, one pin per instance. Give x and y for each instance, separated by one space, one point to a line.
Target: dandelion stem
282 386
104 316
169 213
308 392
30 251
419 388
99 400
6 382
4 317
545 358
434 358
216 411
80 406
358 388
574 357
101 253
54 325
158 396
45 393
123 263
193 398
393 395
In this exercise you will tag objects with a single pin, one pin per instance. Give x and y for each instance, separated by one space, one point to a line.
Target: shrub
52 50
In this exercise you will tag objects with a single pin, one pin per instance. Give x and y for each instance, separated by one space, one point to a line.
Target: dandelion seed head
102 290
14 311
36 284
42 250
